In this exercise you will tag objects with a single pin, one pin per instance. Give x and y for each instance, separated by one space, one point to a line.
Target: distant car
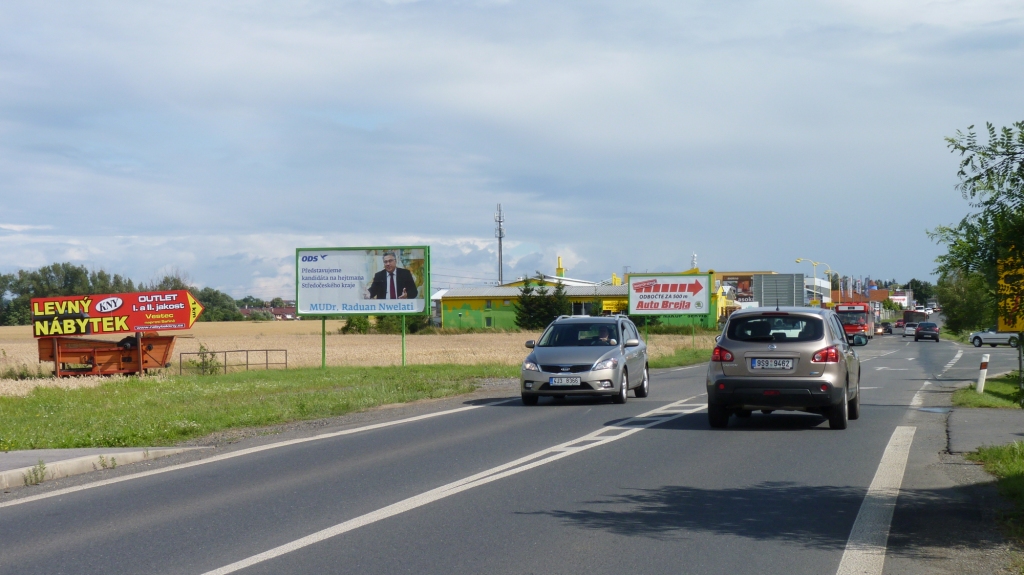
929 311
886 328
992 337
909 329
794 358
926 330
586 356
899 323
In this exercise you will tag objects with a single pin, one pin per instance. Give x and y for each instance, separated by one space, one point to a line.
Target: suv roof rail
563 316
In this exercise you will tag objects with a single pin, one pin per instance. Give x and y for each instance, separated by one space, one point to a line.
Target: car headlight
606 364
530 366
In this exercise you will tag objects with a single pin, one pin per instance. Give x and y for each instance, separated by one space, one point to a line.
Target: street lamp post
814 286
828 273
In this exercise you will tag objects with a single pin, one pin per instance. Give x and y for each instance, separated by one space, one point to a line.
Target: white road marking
865 549
689 367
891 369
918 397
869 388
880 355
952 362
628 427
243 452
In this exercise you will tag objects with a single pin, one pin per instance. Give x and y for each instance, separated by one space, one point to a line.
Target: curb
79 465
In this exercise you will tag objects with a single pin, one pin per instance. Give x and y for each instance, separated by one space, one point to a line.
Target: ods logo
313 258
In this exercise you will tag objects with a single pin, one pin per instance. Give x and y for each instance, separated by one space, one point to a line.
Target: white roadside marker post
981 374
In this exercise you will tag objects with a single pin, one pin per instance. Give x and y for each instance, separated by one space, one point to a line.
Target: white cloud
219 137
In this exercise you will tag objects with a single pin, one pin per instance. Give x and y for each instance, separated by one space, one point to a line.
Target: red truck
857 318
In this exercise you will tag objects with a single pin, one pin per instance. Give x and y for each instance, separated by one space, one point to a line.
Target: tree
990 241
923 290
559 303
250 301
277 302
218 306
967 301
526 306
57 279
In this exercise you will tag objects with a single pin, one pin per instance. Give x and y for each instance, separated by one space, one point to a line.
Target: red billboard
114 313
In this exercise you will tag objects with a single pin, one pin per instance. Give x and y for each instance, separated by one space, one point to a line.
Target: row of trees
66 279
981 276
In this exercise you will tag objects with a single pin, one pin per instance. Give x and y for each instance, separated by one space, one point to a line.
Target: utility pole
499 232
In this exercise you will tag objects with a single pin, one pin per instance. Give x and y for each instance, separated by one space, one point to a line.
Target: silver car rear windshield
580 334
775 328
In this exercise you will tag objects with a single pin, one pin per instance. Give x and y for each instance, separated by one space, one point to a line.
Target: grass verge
1007 463
999 392
134 412
682 356
960 336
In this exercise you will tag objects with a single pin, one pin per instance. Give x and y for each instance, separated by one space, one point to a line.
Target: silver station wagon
586 356
795 358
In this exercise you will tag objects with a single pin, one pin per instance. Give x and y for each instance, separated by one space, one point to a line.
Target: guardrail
209 362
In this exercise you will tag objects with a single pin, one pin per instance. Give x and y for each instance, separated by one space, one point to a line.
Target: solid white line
865 549
528 462
689 367
242 452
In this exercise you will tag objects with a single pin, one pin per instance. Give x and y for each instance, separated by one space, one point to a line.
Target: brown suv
794 358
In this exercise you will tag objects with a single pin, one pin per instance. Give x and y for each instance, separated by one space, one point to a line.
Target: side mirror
530 344
860 340
632 342
718 338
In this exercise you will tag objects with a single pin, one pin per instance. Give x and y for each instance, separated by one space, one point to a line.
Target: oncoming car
601 356
794 358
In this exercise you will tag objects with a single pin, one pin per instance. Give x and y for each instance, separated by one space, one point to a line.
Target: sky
212 139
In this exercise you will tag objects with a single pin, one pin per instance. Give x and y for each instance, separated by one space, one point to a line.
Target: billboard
668 294
362 281
114 313
740 287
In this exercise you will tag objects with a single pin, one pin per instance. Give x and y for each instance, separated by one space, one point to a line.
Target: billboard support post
323 343
403 341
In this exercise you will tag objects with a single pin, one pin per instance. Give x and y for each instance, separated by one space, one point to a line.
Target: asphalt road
571 486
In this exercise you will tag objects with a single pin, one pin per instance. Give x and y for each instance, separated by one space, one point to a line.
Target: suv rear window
775 328
927 324
574 334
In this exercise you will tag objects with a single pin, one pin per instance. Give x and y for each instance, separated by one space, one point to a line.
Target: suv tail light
828 355
721 354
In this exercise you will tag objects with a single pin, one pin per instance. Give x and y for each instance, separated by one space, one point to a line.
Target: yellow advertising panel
1011 295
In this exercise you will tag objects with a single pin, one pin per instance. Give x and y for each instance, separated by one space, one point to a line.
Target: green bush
388 324
356 324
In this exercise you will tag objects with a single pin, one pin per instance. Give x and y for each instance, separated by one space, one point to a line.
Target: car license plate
564 381
771 364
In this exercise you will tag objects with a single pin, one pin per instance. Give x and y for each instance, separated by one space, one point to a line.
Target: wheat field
302 340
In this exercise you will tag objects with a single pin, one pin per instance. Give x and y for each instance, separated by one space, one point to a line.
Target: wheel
1013 342
767 411
623 389
743 413
976 341
936 340
853 410
645 388
992 344
718 417
530 399
838 415
917 339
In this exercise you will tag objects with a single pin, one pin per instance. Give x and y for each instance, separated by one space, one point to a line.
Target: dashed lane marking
952 362
580 444
865 548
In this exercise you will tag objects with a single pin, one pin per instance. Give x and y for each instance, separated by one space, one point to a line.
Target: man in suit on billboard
392 282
